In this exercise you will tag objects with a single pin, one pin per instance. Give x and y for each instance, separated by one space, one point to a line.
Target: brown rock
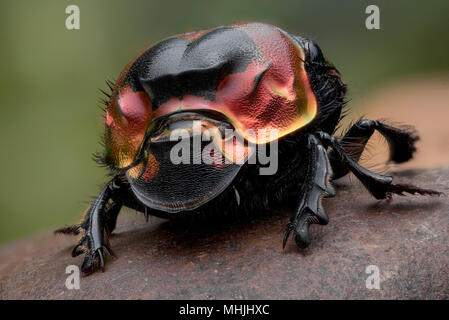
406 238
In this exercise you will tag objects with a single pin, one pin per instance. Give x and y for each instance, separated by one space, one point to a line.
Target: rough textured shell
252 73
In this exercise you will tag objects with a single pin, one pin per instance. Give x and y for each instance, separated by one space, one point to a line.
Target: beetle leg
380 186
93 234
400 140
98 223
316 185
111 215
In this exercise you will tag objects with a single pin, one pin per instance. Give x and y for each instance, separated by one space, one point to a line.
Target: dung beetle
246 76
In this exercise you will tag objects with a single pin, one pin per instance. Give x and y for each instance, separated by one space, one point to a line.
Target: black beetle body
243 76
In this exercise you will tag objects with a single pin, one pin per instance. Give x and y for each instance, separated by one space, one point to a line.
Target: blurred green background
50 123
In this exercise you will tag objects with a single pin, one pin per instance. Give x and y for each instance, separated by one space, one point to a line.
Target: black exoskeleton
309 158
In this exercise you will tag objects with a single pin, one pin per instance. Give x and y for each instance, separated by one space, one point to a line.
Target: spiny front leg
316 185
98 223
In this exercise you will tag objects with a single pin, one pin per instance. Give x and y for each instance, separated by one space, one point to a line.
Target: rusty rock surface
407 239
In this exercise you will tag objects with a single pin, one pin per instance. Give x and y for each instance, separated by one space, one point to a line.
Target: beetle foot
301 226
93 261
94 255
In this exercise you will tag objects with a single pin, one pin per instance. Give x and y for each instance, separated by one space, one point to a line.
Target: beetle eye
134 106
